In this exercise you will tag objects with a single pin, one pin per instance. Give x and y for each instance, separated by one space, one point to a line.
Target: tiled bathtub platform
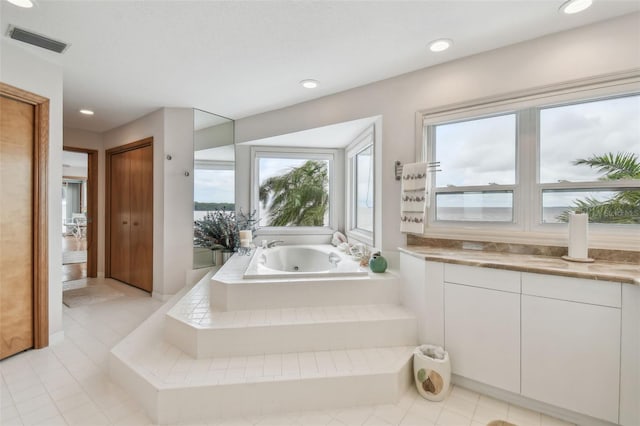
192 362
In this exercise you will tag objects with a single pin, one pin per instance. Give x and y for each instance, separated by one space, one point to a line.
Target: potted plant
219 230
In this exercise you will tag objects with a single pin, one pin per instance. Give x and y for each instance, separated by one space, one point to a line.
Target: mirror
213 183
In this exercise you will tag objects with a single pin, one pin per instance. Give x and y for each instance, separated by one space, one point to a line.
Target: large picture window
523 164
294 188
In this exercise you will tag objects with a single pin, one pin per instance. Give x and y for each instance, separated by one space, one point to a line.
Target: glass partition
213 186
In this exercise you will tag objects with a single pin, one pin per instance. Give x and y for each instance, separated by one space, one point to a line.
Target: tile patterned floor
68 384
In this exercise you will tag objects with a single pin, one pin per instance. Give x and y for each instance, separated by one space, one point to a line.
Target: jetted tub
300 261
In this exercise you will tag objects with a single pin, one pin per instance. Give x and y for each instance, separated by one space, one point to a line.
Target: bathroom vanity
534 330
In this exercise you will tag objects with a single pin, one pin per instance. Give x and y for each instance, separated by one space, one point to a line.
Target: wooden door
141 203
16 226
120 216
130 205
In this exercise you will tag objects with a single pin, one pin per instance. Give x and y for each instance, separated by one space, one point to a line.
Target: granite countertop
599 270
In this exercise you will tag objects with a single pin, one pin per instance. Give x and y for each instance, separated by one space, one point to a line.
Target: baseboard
512 398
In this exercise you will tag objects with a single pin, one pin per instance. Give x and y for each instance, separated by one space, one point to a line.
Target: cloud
214 186
482 151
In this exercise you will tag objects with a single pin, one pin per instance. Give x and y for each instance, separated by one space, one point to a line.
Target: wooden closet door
142 218
16 226
120 216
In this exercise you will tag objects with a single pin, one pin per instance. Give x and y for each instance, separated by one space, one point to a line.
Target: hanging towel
414 198
414 176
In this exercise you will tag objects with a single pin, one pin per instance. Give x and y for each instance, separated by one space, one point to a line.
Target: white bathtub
300 261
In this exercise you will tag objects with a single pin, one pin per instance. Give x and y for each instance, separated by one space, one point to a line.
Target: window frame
433 191
528 226
330 155
363 141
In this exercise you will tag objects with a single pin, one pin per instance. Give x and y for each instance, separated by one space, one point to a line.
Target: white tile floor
68 384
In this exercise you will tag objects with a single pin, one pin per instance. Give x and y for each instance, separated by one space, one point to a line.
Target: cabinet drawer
605 293
493 279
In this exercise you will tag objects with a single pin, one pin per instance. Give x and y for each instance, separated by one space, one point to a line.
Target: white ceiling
239 58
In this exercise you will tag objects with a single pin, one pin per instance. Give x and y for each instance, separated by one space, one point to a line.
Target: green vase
377 263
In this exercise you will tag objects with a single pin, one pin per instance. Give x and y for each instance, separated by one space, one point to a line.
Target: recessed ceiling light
86 112
309 83
440 45
22 3
575 6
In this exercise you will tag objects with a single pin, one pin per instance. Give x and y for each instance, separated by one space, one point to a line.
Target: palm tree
299 197
624 207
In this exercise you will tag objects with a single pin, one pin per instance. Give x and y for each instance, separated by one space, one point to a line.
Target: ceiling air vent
36 39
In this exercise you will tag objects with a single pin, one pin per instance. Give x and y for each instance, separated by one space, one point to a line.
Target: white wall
22 69
209 137
172 132
602 48
178 197
76 138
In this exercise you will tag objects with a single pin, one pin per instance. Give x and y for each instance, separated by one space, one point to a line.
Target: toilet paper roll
578 235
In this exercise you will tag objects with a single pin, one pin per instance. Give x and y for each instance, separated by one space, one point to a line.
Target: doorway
129 210
79 214
24 286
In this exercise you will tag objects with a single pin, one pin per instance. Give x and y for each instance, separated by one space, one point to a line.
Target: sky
214 186
482 152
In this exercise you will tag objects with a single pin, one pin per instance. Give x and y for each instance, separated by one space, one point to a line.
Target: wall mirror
213 185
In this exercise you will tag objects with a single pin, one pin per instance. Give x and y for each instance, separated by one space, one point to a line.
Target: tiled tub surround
269 346
536 259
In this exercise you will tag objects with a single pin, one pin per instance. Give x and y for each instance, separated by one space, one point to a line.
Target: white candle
245 238
578 235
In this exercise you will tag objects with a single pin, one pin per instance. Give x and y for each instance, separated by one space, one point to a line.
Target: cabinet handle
124 222
135 223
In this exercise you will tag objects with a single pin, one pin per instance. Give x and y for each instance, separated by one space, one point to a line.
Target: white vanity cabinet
571 343
482 324
568 342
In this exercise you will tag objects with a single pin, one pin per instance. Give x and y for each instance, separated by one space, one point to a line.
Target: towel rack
432 167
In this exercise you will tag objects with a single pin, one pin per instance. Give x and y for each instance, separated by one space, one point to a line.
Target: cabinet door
571 355
142 217
482 335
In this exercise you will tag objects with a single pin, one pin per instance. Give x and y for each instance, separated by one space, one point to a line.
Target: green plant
219 229
299 197
624 207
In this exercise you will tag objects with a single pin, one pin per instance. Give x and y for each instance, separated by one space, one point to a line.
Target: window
589 157
478 169
521 163
361 191
293 188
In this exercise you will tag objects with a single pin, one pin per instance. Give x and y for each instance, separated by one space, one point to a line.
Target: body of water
493 214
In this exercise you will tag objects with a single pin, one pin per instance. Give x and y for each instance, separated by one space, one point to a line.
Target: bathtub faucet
274 243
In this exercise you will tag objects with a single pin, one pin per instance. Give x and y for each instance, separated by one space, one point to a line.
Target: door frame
40 210
107 209
92 208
